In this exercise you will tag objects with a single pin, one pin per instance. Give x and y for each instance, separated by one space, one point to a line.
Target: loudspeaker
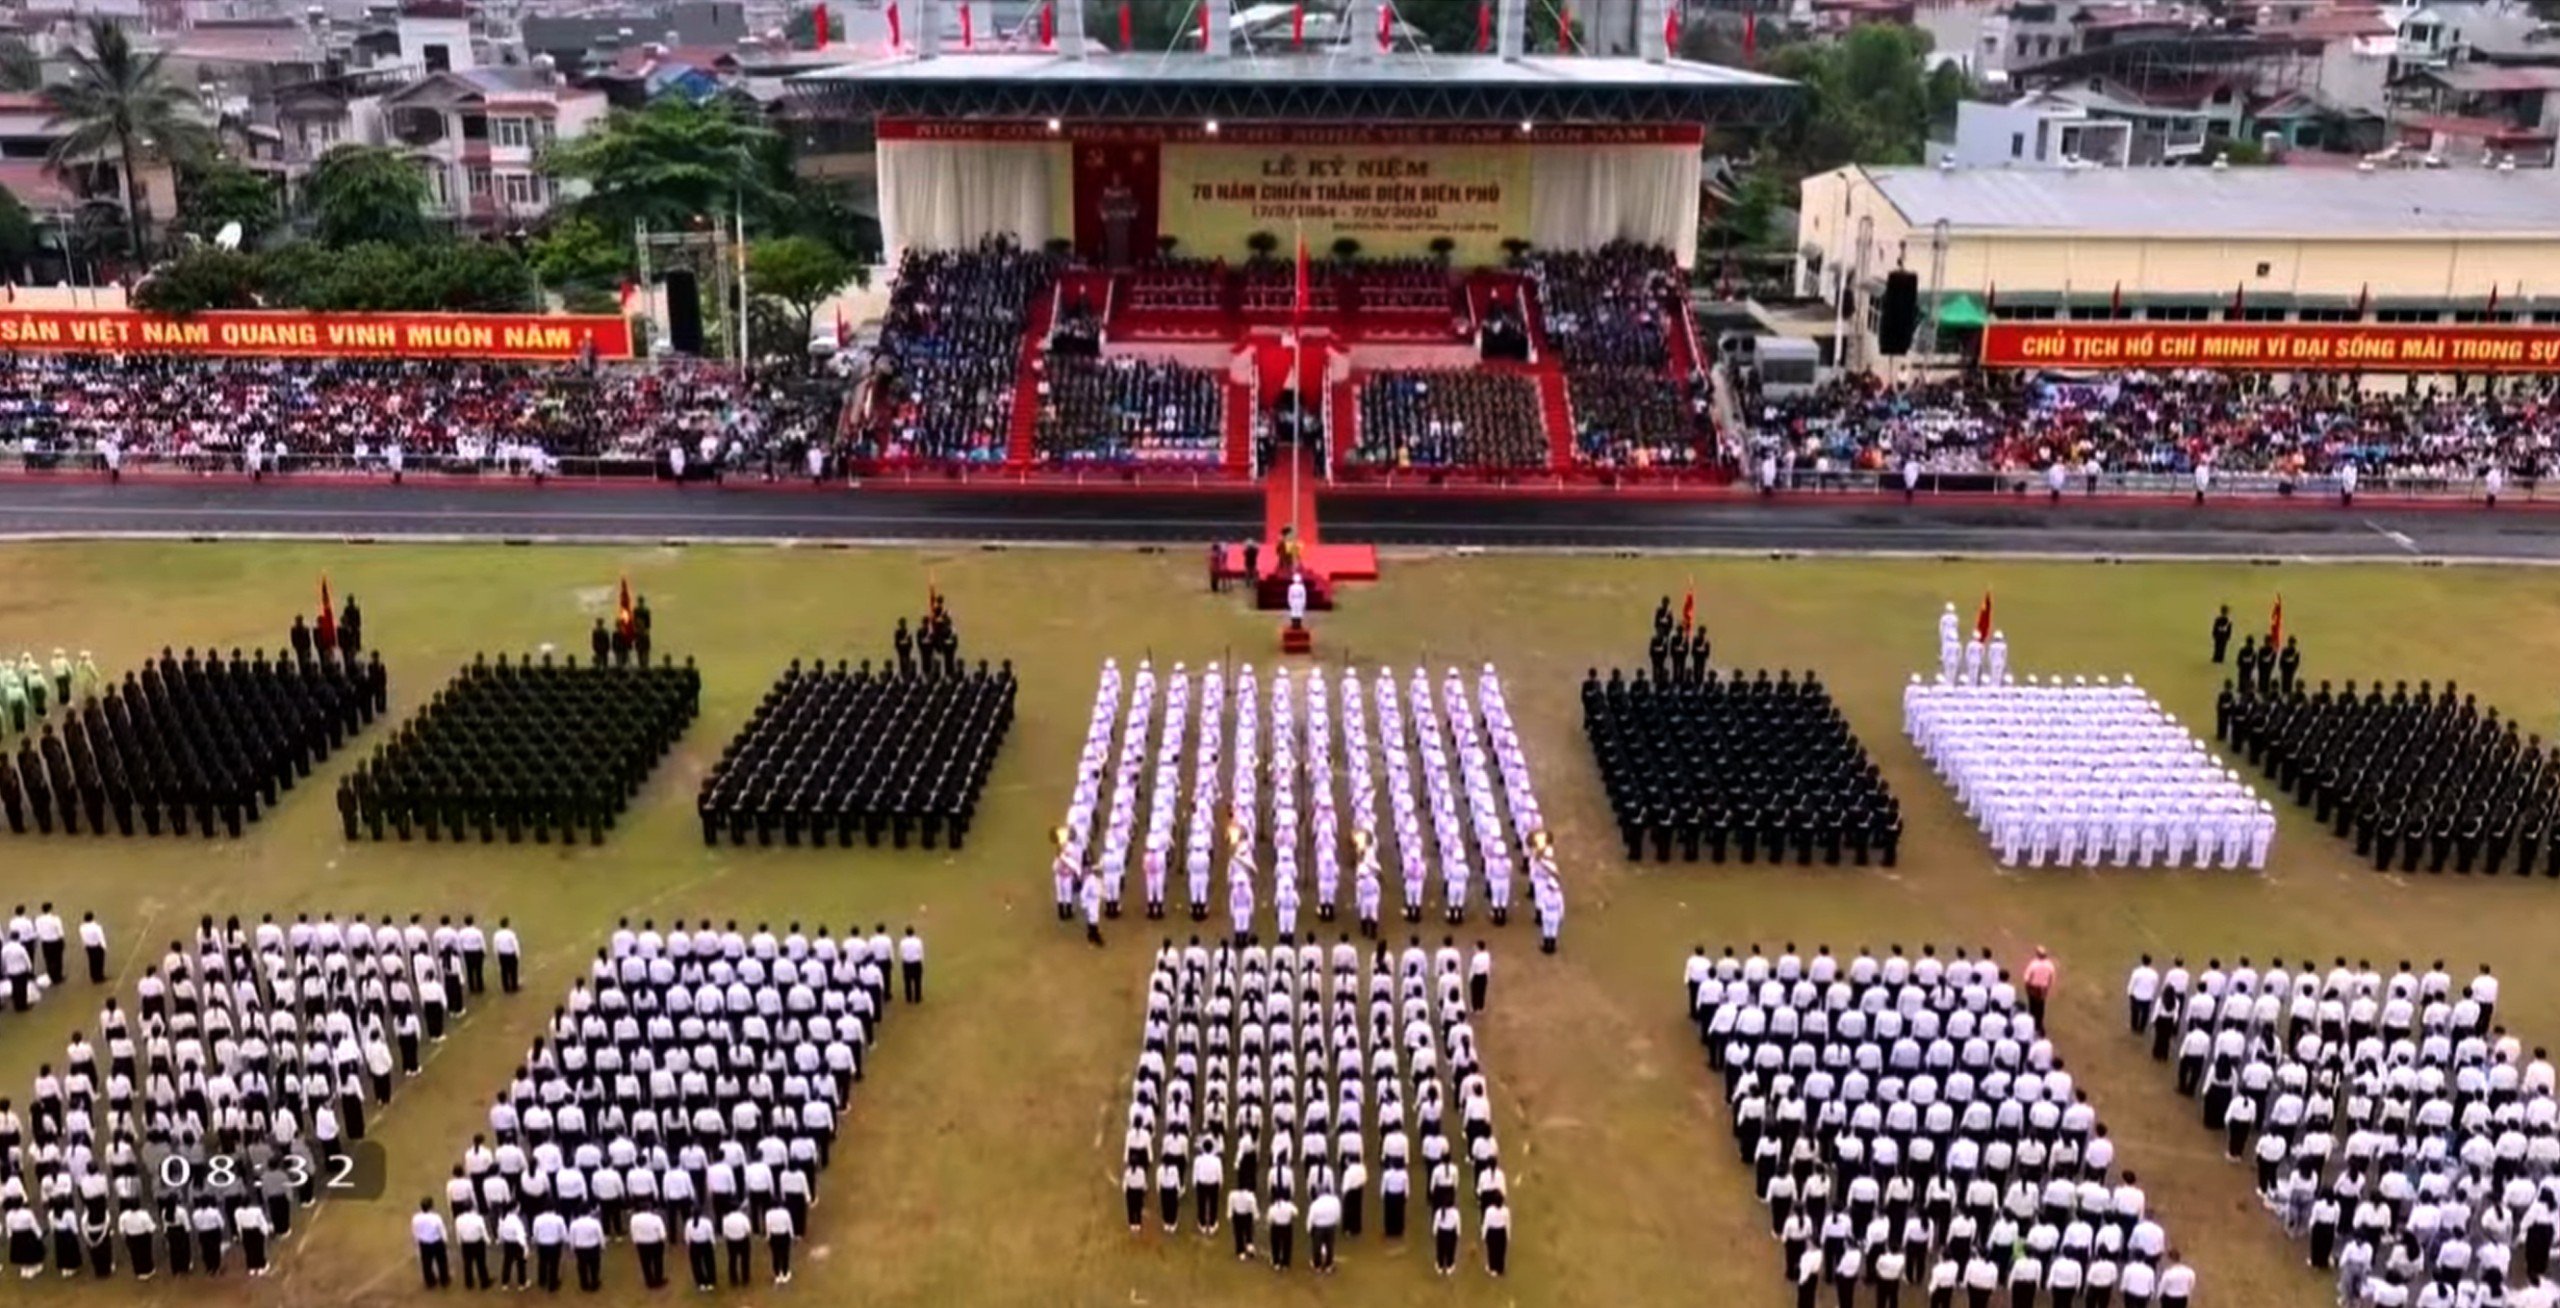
1899 319
684 312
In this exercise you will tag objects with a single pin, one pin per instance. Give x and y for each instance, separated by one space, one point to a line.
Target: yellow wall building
2187 244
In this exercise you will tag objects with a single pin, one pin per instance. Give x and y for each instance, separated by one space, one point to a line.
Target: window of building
2250 314
2017 145
2097 313
2026 312
2546 317
2407 315
520 188
2483 316
479 181
439 58
514 133
2177 313
2328 315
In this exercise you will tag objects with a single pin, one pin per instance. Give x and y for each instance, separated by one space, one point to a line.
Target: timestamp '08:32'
352 1169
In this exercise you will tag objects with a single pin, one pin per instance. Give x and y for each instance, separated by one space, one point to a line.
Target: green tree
367 193
470 277
215 191
1154 25
578 254
199 280
117 103
672 163
20 70
1866 99
800 273
802 28
18 235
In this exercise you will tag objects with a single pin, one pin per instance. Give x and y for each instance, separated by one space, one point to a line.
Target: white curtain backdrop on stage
941 194
1587 196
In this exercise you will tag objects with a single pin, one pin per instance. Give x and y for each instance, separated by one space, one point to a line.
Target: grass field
980 1168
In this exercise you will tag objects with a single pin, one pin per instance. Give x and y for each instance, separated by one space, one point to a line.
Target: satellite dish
229 237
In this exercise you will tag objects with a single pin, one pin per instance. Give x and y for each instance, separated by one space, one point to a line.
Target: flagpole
1298 371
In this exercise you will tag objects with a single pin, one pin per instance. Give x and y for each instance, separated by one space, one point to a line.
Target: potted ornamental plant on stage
1265 245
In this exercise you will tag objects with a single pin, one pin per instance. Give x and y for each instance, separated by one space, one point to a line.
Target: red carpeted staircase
1239 427
1342 418
1026 378
1556 410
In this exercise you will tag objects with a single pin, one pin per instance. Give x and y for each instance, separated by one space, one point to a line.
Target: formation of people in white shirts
1909 1125
34 956
2082 774
236 1091
1262 1071
1474 813
687 1091
2410 1140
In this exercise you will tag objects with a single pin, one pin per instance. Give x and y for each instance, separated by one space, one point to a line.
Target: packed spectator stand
300 413
2163 424
943 381
1610 321
1125 410
1446 418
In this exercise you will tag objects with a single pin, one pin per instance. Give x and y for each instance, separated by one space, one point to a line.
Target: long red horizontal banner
2294 347
322 335
1082 133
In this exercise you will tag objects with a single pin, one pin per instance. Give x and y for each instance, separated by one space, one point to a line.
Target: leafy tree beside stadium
673 163
1868 98
118 103
214 192
800 273
361 193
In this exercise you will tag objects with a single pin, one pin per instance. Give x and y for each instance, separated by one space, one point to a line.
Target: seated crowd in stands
2162 424
1638 419
1124 410
1450 419
949 350
294 411
1178 284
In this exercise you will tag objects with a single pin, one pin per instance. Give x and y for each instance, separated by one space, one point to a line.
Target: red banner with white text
1295 134
558 337
2272 347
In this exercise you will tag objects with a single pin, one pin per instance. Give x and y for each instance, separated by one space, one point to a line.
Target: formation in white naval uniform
2411 1141
1460 805
2081 773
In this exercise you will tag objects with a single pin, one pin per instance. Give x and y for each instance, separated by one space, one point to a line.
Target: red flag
2239 298
2493 297
1982 619
13 292
1689 607
2275 622
897 30
1298 303
2364 297
1048 27
1298 26
1564 29
968 29
1750 36
2115 301
1991 298
630 293
326 630
1386 28
1671 28
821 17
1204 27
840 328
1484 26
1126 41
623 622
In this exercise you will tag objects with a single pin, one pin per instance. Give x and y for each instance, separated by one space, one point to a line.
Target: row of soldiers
519 746
934 645
29 690
1762 769
895 752
197 744
2425 778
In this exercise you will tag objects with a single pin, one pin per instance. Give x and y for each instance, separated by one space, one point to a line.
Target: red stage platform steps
1324 565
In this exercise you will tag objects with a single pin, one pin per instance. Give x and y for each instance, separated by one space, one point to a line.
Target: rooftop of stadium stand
1400 87
2416 203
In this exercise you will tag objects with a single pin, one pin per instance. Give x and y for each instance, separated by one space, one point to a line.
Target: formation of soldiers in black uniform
1755 768
2423 778
195 744
900 752
523 746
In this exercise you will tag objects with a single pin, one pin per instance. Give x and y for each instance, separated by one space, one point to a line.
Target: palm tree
116 101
